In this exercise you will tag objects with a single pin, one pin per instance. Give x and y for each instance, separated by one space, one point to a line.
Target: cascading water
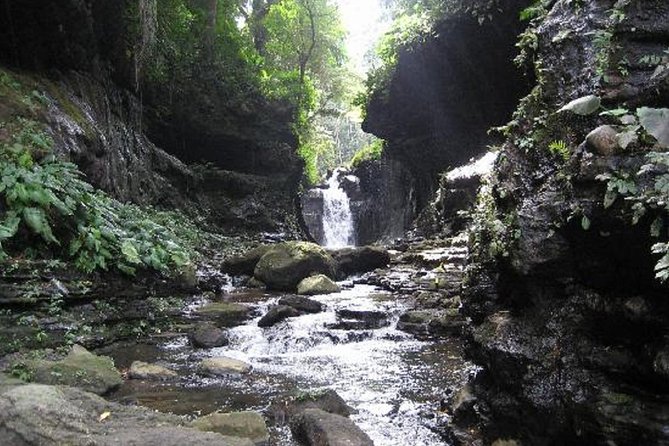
337 217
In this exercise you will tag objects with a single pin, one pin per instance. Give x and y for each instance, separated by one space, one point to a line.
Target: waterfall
337 217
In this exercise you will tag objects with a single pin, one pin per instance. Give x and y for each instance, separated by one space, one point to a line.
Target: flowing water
337 217
394 381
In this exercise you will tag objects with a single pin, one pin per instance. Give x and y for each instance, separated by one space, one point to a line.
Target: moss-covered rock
36 414
318 284
286 264
249 425
80 368
227 314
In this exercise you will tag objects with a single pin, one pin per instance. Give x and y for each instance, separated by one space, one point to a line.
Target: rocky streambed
384 348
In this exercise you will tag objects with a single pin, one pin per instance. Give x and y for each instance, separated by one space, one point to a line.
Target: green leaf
656 227
130 252
9 227
585 223
583 106
609 198
617 112
36 220
656 122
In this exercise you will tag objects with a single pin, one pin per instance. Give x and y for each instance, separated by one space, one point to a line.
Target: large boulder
245 264
318 284
41 415
359 260
80 368
249 425
286 264
315 427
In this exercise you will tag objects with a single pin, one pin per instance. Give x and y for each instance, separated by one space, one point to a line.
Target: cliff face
446 93
131 138
570 324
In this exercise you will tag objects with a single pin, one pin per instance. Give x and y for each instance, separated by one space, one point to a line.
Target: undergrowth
49 211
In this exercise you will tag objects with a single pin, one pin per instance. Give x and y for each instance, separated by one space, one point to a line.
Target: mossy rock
226 314
318 284
249 425
80 368
286 264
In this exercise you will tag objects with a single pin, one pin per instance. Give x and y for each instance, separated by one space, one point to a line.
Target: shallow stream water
394 381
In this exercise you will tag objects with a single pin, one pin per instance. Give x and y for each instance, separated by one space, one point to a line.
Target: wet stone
151 372
207 335
319 428
80 368
227 314
248 424
302 304
277 314
223 366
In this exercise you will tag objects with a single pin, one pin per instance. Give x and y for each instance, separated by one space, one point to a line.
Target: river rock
223 366
150 372
363 315
302 304
227 314
80 368
434 322
245 263
360 260
277 314
255 283
327 400
41 415
249 425
207 335
316 427
319 284
284 409
286 264
603 140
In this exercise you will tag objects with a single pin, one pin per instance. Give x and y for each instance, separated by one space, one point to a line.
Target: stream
393 380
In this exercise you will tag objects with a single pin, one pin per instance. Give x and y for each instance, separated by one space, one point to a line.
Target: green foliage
646 192
656 122
372 151
607 51
491 235
560 148
48 205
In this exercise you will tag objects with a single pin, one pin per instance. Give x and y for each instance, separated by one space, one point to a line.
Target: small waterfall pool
338 231
394 381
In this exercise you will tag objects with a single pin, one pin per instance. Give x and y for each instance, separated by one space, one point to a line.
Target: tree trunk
210 31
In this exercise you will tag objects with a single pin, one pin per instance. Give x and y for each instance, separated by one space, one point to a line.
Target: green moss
69 107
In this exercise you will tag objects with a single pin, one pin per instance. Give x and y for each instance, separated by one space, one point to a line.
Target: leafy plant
650 195
48 205
371 151
560 148
656 122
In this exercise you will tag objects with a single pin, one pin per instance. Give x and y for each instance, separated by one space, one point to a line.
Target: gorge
492 270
